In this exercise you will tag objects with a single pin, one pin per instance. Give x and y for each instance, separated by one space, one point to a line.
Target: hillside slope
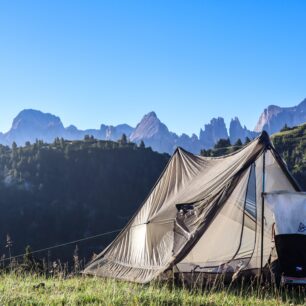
54 193
291 144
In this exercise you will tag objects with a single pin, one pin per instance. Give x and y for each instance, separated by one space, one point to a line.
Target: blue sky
93 62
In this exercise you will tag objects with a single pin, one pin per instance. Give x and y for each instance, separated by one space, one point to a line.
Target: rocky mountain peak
30 125
116 132
148 127
236 131
72 128
151 114
212 132
275 117
302 106
34 119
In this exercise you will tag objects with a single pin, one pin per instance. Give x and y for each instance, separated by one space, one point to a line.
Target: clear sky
93 62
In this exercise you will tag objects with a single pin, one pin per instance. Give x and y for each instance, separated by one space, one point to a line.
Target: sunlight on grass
37 290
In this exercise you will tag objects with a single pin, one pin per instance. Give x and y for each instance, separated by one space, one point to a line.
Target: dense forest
66 190
289 142
54 193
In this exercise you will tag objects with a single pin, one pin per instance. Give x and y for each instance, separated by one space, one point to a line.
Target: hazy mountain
212 132
236 131
191 144
274 117
30 125
106 132
149 127
73 133
154 133
115 132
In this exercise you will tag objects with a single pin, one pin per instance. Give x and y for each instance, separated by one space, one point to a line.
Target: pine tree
123 139
222 143
142 144
14 146
285 128
238 143
247 140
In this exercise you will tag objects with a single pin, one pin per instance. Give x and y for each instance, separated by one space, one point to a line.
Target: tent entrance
289 210
229 242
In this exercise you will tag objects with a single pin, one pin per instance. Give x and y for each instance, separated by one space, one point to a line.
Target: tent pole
262 210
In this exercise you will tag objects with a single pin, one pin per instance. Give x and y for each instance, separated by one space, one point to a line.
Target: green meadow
78 290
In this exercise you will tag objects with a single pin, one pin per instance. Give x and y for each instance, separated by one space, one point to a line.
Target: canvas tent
203 215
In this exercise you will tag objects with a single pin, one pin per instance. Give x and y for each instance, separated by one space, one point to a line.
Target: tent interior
204 215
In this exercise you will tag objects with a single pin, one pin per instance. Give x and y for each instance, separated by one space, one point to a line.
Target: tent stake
262 210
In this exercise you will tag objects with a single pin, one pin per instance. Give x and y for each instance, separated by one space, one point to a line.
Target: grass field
37 290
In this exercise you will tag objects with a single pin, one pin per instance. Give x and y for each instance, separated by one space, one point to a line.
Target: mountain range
274 117
30 125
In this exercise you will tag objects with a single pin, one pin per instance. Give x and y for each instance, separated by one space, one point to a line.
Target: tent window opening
250 205
184 208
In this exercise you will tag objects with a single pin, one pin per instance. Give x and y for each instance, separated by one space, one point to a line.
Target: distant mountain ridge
275 117
155 134
236 131
30 125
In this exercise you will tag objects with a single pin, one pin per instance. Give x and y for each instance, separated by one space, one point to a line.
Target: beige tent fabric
226 239
221 240
275 179
159 236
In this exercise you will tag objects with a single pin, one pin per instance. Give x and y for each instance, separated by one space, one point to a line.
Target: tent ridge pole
262 210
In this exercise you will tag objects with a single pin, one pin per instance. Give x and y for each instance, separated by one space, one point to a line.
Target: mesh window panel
250 205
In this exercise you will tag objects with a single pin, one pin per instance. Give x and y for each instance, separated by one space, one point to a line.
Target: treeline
289 142
224 147
59 192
